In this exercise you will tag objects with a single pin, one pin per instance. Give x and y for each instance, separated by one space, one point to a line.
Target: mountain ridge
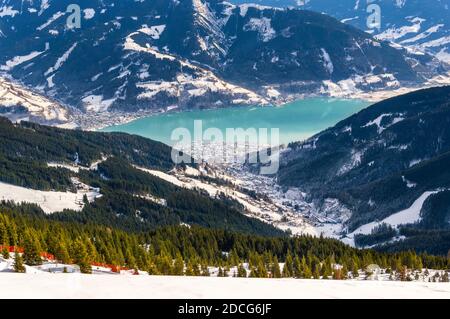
406 23
194 54
378 163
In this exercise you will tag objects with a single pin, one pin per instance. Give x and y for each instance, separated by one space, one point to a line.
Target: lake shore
296 121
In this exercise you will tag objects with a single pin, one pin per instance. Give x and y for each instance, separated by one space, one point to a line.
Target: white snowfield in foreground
165 287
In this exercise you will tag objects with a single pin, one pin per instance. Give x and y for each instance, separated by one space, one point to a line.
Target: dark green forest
165 250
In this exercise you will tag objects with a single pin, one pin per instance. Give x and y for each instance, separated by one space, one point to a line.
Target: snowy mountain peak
145 56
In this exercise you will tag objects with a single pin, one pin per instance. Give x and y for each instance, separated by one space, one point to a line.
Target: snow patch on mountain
17 60
408 183
436 43
263 27
354 161
377 122
423 35
443 55
400 3
49 201
154 31
45 4
327 63
130 44
38 108
393 34
408 216
243 8
52 19
96 103
7 11
89 13
60 61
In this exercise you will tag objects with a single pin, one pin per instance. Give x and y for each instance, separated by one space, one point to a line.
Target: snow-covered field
154 287
49 201
407 216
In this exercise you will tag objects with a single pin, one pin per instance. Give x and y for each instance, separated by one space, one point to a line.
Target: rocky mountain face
145 56
386 164
421 26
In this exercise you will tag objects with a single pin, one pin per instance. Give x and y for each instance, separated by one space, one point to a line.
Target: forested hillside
178 250
129 198
382 161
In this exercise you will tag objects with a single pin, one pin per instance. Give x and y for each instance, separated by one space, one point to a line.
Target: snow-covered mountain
19 103
130 56
388 164
419 25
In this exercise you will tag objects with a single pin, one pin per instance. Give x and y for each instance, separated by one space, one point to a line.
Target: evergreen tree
307 273
326 270
18 263
344 274
80 257
260 271
152 269
403 274
316 273
62 254
159 251
205 271
164 264
5 253
288 269
298 269
178 266
32 250
130 260
92 254
241 271
197 269
233 258
416 276
4 238
276 273
398 266
355 267
418 264
189 269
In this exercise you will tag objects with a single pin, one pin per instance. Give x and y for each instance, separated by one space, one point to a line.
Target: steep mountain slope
386 164
19 103
148 56
409 23
116 176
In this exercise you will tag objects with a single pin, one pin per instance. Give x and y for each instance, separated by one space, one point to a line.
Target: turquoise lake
296 121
